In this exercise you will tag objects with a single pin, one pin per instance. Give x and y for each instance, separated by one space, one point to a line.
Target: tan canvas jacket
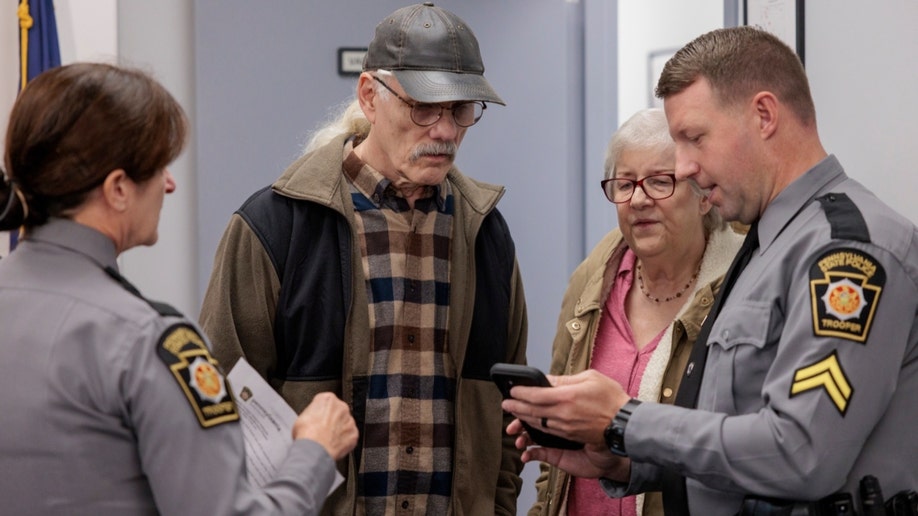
239 308
587 291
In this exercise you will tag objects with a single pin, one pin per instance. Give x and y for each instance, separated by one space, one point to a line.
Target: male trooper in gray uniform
812 362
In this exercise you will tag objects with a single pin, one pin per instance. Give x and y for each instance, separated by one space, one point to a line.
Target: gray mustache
431 149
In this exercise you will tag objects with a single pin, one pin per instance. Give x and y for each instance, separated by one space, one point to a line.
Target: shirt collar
824 176
376 187
76 237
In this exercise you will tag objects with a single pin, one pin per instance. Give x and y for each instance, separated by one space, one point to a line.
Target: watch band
615 432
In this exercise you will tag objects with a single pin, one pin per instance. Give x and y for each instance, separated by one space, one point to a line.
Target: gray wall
860 58
157 36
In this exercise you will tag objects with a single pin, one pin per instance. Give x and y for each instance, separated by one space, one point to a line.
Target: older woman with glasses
633 308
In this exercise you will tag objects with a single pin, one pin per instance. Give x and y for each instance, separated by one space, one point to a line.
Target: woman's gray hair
647 130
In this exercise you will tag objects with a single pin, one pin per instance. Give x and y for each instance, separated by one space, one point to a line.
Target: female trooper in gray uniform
112 404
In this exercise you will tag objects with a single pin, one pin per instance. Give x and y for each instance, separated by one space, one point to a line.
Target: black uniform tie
675 500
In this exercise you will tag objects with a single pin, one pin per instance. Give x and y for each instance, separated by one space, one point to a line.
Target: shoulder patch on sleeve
183 351
845 288
826 374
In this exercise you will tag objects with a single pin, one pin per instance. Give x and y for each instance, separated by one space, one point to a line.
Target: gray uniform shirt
812 371
95 422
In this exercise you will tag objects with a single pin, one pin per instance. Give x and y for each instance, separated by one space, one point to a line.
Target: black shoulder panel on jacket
269 215
495 256
844 217
309 245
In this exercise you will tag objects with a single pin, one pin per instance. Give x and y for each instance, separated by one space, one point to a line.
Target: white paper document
267 422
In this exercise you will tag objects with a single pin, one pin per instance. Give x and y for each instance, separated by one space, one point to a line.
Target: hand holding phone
506 376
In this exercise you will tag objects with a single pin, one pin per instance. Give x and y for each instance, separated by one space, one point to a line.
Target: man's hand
593 461
327 421
578 407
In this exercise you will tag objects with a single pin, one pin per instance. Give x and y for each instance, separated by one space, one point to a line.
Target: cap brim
438 86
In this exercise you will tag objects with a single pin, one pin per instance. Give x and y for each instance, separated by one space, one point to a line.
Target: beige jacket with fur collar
578 323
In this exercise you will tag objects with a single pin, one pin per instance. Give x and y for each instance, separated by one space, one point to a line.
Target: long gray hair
347 118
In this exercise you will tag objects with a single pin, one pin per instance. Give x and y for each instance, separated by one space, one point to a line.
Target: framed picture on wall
350 61
655 62
783 18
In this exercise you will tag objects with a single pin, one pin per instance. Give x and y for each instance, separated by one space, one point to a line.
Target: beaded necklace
669 298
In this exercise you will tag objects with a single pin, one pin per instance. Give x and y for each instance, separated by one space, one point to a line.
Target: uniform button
689 368
409 450
575 325
725 334
667 392
405 504
705 301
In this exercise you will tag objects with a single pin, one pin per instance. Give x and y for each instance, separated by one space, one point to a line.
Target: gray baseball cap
433 54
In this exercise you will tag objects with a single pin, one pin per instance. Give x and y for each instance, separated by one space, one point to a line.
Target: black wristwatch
615 432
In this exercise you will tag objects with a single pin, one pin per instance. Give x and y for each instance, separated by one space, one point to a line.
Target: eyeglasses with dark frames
466 114
658 186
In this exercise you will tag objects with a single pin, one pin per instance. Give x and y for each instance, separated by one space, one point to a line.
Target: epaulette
844 217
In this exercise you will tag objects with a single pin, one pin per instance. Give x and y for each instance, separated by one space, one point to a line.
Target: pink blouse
615 355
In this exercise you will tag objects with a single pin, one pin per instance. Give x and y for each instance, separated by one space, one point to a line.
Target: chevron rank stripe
826 374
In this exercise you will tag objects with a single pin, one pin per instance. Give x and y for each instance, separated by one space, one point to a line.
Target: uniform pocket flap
741 323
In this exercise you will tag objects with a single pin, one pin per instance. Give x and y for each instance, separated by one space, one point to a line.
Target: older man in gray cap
374 269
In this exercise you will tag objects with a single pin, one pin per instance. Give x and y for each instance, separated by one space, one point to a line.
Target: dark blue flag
38 45
38 49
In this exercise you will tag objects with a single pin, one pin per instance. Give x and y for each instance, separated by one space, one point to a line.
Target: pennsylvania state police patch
185 354
845 288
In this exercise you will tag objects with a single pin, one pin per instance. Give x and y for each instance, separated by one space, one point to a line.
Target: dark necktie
675 501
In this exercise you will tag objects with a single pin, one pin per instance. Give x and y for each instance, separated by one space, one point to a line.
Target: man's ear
765 105
117 189
366 95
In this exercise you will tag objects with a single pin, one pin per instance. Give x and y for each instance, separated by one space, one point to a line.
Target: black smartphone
506 376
